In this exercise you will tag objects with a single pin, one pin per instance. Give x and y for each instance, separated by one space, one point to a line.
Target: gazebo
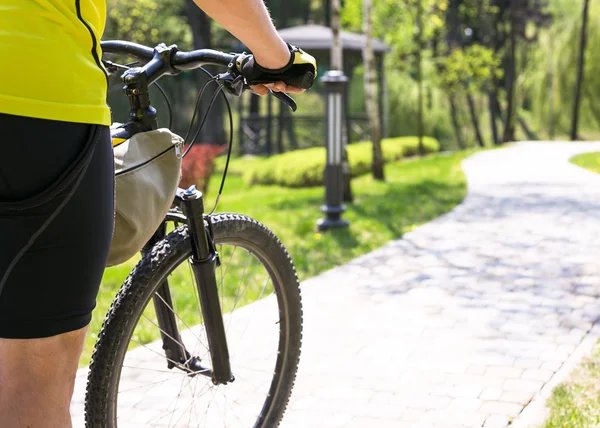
317 40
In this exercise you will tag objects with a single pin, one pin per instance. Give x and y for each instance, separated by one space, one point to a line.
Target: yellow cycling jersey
50 64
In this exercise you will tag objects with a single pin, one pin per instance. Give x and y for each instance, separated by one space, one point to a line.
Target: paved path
461 322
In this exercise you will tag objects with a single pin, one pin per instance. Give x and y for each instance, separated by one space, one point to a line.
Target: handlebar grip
304 81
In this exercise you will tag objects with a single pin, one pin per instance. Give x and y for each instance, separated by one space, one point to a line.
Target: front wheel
130 383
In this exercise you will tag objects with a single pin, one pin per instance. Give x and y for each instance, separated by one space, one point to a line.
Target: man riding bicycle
57 182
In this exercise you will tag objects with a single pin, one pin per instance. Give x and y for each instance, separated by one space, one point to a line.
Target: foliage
197 166
548 78
479 63
394 22
304 168
471 69
416 191
148 22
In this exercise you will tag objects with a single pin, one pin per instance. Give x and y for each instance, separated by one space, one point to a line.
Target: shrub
304 168
197 166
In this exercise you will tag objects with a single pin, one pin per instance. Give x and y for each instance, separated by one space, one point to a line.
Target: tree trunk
496 42
475 120
530 134
493 114
509 124
371 91
283 117
336 45
337 63
453 37
255 125
453 20
580 70
420 74
284 13
455 123
593 109
498 109
551 124
213 131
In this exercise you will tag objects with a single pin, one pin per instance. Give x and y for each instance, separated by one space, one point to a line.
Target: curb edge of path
535 413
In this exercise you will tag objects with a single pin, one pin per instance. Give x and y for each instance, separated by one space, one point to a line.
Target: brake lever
235 85
286 99
232 83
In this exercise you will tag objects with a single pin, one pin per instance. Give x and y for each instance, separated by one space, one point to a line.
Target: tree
213 131
580 71
467 71
371 91
336 45
516 22
453 42
511 75
419 42
506 28
337 63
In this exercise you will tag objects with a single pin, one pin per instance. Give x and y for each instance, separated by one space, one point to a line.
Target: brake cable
110 64
218 91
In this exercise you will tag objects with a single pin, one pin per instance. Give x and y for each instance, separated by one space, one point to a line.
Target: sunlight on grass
589 161
576 402
415 192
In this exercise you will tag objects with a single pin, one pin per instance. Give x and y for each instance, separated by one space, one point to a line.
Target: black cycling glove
300 71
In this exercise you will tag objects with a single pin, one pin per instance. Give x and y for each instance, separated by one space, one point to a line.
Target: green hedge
304 168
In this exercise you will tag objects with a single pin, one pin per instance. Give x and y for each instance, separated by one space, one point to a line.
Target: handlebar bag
148 170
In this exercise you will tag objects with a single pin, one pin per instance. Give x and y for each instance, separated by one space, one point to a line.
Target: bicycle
197 315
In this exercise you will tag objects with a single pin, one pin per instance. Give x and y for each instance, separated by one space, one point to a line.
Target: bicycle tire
138 289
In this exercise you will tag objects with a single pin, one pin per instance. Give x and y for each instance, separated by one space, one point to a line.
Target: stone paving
462 321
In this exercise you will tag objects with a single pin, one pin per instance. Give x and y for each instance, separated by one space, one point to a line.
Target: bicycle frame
204 255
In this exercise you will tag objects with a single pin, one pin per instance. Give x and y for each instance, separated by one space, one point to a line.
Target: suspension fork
204 261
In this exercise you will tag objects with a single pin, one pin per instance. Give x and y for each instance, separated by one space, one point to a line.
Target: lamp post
335 85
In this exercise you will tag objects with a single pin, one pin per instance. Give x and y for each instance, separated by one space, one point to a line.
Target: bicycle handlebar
180 60
169 60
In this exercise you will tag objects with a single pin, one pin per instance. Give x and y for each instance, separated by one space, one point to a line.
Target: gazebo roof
319 37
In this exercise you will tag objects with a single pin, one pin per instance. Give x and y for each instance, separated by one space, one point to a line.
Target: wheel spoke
182 321
254 308
165 333
163 356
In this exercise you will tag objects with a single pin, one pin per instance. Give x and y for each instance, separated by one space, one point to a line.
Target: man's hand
278 59
249 21
263 89
292 72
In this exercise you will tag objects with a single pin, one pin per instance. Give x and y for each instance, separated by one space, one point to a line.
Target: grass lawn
589 161
576 402
415 192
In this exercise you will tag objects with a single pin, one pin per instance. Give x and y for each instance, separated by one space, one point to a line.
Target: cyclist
57 180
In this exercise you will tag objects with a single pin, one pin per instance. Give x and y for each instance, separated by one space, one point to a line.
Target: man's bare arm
249 21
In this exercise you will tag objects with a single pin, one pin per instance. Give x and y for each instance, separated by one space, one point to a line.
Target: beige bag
148 170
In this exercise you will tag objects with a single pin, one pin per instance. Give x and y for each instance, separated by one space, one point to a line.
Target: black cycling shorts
56 223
